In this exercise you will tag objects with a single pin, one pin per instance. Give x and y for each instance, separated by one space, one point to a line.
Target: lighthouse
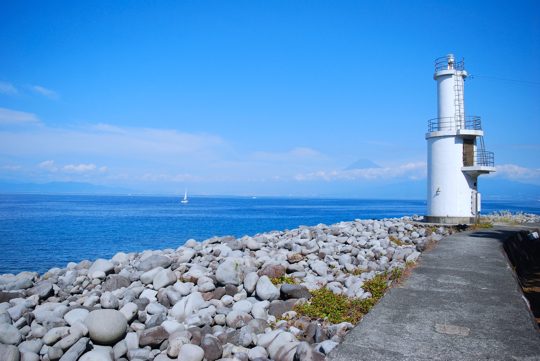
456 153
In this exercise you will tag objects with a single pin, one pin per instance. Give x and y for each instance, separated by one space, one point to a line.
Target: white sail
185 200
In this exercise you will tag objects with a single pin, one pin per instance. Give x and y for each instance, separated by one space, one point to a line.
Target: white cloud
518 173
414 170
7 88
51 94
15 117
79 168
48 165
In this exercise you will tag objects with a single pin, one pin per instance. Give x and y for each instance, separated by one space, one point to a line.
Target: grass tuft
325 304
283 279
396 241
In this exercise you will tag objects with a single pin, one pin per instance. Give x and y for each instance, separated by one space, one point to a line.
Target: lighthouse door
468 152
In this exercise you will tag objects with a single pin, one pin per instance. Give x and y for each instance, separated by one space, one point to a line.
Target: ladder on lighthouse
459 114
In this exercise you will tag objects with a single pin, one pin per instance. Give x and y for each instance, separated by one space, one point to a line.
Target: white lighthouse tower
456 154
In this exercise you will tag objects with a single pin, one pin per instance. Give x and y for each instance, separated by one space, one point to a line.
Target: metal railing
479 158
451 123
442 64
485 158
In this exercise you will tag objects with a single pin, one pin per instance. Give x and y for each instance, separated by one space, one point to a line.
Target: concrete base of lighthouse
449 220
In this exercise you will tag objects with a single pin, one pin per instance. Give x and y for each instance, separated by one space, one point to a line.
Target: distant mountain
362 164
60 187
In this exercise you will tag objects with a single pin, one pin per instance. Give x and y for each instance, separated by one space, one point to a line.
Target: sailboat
185 200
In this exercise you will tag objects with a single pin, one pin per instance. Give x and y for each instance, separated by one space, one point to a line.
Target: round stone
9 334
106 326
189 352
76 315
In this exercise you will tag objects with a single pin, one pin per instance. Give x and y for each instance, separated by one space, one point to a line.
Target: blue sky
257 97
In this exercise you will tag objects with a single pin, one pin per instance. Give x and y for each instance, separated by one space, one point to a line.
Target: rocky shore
220 299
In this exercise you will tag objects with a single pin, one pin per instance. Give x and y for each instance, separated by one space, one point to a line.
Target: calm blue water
38 232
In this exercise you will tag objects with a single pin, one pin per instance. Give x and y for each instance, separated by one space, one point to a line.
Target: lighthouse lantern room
456 154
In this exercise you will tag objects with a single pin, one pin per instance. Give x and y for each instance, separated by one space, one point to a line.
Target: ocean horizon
39 232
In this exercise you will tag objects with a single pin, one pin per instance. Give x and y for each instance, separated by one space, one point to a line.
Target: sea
39 232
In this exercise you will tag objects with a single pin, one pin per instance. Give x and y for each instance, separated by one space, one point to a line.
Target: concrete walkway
461 303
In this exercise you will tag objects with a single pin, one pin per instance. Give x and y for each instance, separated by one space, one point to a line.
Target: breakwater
224 298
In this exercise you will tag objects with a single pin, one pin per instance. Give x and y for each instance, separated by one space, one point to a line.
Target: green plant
357 271
283 279
325 304
395 274
377 285
482 225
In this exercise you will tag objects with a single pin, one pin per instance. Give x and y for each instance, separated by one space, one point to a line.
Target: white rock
172 326
257 352
220 319
9 334
227 300
250 281
50 312
266 290
207 287
320 268
243 306
230 271
120 258
260 309
120 349
186 255
189 352
187 306
76 315
55 334
155 308
132 341
100 265
129 310
149 294
183 288
413 257
96 355
33 345
148 276
164 278
109 300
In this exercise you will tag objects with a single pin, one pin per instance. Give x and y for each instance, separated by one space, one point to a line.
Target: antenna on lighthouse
456 154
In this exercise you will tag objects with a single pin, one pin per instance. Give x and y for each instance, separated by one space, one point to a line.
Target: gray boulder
294 291
106 326
154 261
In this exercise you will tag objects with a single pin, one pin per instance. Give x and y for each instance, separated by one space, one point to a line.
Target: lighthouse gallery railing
451 123
481 157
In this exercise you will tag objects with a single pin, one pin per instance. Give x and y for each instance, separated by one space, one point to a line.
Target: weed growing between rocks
336 308
284 279
396 241
325 304
482 225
